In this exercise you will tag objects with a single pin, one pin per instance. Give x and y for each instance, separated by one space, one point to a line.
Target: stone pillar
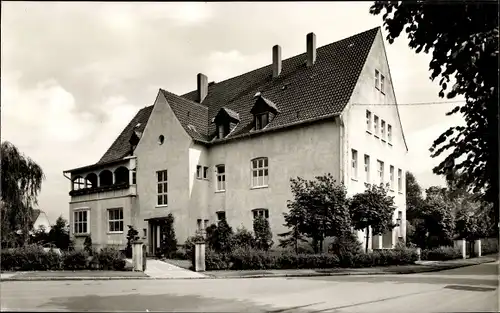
477 247
137 255
463 247
419 254
199 256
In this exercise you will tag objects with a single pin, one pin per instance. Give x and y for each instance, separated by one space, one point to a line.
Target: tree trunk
367 238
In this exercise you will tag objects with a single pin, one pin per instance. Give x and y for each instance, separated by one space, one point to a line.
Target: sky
75 73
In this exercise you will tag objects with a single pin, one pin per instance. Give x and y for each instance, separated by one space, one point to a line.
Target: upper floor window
375 124
162 182
368 120
354 165
389 133
382 129
391 177
134 178
382 83
380 170
81 222
79 183
400 180
377 78
115 220
367 168
260 172
222 130
261 213
261 120
221 177
198 171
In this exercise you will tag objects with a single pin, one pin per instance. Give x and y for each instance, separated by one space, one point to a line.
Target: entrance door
154 240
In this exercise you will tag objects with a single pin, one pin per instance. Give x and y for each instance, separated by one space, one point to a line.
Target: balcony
87 191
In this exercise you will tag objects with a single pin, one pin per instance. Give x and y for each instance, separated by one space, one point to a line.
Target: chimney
202 82
276 61
311 49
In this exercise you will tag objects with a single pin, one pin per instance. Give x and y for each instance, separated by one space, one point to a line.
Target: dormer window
264 110
225 121
261 120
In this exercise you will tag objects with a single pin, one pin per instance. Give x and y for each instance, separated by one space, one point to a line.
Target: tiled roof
35 215
300 93
121 147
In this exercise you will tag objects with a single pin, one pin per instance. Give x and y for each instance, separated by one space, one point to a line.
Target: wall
307 152
173 156
98 227
358 138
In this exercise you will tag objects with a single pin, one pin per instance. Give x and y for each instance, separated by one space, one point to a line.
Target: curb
94 278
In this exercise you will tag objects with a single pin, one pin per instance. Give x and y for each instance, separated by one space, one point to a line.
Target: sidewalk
419 267
71 275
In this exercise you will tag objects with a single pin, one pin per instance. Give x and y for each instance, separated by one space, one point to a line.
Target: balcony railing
86 191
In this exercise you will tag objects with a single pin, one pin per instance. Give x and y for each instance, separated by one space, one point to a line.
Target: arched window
106 178
78 183
91 180
121 175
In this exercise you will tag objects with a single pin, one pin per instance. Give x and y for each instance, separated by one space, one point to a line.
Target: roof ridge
289 58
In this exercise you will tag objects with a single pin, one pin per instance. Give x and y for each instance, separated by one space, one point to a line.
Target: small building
39 218
229 149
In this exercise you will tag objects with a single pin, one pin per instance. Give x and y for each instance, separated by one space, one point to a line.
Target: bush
441 254
75 260
168 244
243 238
263 234
111 259
489 246
216 261
132 235
87 245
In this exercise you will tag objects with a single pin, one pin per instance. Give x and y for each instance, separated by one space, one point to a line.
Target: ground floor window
115 220
81 222
221 215
261 212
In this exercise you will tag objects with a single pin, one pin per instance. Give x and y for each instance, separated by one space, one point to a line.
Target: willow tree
21 180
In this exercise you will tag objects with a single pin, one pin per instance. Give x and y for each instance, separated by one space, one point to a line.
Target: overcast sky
74 74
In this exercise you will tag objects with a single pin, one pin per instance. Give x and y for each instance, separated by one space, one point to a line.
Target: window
260 173
382 129
391 173
81 222
134 178
354 165
382 83
375 124
115 220
221 177
144 232
376 78
221 215
198 224
205 224
205 172
162 188
261 212
367 168
368 120
78 183
389 133
223 130
261 120
400 180
380 171
198 171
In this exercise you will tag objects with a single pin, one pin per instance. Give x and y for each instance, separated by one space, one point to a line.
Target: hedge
441 254
34 258
251 259
489 246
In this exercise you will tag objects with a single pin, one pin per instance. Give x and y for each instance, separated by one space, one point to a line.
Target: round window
161 139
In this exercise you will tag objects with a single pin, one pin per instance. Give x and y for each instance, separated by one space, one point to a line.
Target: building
39 218
229 149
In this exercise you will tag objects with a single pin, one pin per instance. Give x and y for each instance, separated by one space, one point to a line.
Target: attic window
261 120
226 120
222 130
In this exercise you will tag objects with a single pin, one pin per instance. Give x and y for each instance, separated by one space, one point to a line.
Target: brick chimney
276 61
202 82
311 49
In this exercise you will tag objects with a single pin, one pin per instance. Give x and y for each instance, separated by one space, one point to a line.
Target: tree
168 244
59 234
319 209
21 181
372 208
414 196
263 234
220 237
463 38
40 236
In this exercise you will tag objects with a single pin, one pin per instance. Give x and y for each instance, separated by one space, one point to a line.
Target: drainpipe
342 147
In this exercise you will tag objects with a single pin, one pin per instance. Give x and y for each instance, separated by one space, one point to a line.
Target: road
469 289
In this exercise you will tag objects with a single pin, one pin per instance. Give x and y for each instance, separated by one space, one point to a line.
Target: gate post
138 257
477 248
199 256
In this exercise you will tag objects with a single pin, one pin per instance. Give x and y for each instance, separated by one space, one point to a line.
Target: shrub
216 261
169 241
87 245
132 235
489 246
441 254
189 246
54 261
263 235
243 238
75 260
111 259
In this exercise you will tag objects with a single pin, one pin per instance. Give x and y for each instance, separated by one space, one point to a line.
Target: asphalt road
469 289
